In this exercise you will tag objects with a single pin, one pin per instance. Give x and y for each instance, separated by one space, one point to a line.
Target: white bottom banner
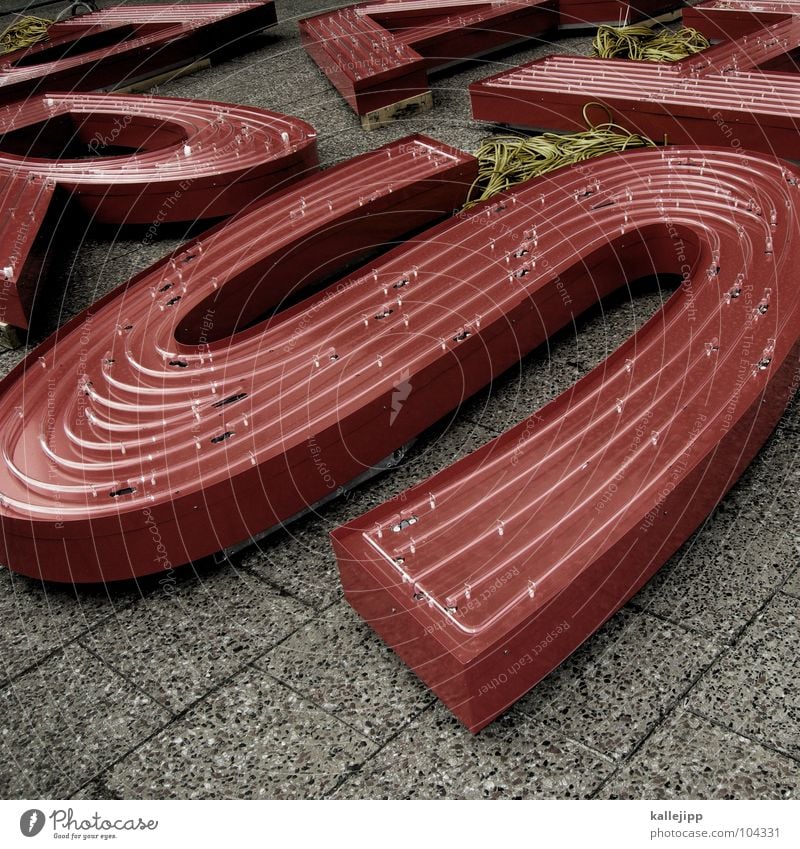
536 823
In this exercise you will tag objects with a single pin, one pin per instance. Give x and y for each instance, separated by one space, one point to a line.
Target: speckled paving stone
437 758
791 418
252 739
10 357
298 558
602 329
38 618
755 688
612 692
66 720
97 264
93 790
338 662
718 580
45 10
792 586
300 90
769 490
242 82
552 369
191 633
452 438
297 563
519 393
690 758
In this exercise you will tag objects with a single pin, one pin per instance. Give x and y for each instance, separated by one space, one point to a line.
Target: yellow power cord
504 161
642 43
23 32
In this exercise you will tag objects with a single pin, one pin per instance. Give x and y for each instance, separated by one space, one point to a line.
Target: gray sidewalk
255 679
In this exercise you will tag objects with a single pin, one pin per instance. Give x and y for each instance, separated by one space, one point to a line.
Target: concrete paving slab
721 577
553 368
253 739
436 758
691 758
63 722
191 633
792 586
754 689
39 619
342 665
619 685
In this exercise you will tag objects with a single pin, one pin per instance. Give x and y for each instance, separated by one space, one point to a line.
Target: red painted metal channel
489 574
580 14
121 45
377 54
755 110
182 160
742 91
739 20
142 436
25 203
755 49
726 19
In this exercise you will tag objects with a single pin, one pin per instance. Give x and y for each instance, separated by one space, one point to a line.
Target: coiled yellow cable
504 161
23 32
644 44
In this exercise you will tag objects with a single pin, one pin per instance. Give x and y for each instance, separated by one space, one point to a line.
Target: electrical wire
24 32
641 43
504 161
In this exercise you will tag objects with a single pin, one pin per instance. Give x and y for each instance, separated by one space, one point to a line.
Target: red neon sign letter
377 54
182 160
141 413
741 92
126 44
500 566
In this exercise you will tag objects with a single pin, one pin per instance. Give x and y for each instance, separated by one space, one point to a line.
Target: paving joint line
677 623
344 777
280 590
550 724
726 649
663 716
174 719
60 648
124 675
177 713
746 735
306 698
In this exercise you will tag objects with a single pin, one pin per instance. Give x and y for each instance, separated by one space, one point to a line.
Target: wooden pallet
165 77
397 111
